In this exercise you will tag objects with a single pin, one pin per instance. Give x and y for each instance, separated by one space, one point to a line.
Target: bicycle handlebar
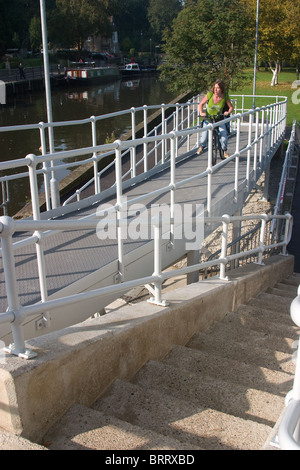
213 117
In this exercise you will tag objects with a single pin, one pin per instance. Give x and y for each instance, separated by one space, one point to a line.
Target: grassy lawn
263 87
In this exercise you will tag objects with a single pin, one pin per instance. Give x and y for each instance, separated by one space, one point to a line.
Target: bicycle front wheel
221 151
215 148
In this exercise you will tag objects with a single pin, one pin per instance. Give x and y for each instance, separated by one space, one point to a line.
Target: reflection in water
73 104
132 84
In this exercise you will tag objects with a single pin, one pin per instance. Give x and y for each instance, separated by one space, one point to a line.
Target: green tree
209 39
291 30
15 19
161 14
5 27
35 33
277 27
130 17
73 21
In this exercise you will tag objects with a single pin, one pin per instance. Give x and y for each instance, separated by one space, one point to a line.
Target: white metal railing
17 314
265 127
267 123
289 428
181 118
286 176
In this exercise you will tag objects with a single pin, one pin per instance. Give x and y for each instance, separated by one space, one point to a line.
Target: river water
72 104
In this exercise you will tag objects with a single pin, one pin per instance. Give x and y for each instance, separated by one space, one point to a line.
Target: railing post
274 126
237 160
18 347
262 239
189 125
262 127
163 131
95 161
177 126
172 185
223 261
256 143
243 105
267 133
271 128
157 231
249 150
287 232
155 147
119 210
209 176
196 114
39 247
295 315
145 143
276 123
34 187
133 149
45 166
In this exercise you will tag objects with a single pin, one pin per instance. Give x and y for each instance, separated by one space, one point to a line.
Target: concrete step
243 318
244 351
282 292
292 280
271 302
83 428
211 392
259 339
263 320
9 441
224 390
185 421
269 316
235 371
285 290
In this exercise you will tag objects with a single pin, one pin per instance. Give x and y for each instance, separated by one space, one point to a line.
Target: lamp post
255 56
53 182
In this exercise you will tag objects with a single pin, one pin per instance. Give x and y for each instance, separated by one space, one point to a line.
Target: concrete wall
77 364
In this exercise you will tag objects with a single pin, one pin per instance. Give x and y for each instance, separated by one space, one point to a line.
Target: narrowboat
82 73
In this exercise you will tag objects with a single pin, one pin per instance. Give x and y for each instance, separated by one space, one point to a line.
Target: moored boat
134 70
82 73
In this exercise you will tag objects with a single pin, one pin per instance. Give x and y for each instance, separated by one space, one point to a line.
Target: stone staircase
224 390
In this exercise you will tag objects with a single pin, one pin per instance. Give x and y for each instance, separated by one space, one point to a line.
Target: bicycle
216 144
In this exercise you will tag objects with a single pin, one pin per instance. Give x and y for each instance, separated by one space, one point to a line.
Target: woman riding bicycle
216 100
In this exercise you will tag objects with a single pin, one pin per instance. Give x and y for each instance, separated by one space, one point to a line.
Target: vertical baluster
225 223
18 347
133 148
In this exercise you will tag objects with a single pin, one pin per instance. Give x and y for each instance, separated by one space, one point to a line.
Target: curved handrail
288 432
288 425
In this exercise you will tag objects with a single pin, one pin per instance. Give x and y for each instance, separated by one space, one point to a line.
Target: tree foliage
279 34
292 30
161 14
209 39
130 17
73 21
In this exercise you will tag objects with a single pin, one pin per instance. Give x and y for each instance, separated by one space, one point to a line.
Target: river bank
34 79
